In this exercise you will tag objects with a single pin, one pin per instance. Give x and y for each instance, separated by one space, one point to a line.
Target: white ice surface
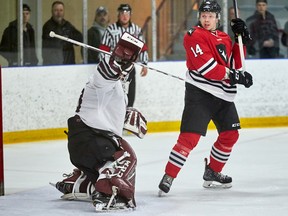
258 165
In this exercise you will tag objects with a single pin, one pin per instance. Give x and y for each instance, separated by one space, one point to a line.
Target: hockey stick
240 42
53 34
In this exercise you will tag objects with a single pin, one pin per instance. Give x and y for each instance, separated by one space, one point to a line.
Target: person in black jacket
55 51
9 42
264 32
96 32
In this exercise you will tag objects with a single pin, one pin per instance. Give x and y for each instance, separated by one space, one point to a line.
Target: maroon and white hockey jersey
208 55
102 104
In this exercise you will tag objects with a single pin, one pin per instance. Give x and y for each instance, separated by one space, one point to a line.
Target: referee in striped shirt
112 35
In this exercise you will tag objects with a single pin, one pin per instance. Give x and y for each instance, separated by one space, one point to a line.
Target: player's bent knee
228 138
188 141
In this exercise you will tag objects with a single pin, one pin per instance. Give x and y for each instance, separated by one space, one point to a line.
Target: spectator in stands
55 51
96 32
264 32
9 42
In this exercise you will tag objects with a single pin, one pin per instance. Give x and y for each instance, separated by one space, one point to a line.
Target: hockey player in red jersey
105 162
214 69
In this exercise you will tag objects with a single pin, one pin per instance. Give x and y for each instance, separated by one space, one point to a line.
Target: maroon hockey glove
135 122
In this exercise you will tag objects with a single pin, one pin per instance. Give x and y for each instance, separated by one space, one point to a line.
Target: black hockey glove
239 27
240 77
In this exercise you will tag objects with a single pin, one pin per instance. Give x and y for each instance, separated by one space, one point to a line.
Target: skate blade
216 185
101 207
52 184
161 193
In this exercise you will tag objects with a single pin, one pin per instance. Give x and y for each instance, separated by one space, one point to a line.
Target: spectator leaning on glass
55 51
264 32
9 42
112 36
96 32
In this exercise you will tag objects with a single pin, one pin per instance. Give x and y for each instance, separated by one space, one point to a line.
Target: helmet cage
124 54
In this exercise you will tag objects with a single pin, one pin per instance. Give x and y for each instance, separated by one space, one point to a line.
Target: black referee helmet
124 7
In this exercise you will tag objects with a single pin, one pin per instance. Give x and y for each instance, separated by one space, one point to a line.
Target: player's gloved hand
240 77
126 68
119 67
239 27
135 122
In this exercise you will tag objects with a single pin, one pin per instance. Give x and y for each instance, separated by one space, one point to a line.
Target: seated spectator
55 51
9 42
264 32
96 32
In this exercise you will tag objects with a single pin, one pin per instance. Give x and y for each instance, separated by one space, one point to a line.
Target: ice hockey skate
107 203
214 179
165 184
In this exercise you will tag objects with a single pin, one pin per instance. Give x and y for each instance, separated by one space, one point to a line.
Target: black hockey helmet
210 6
124 7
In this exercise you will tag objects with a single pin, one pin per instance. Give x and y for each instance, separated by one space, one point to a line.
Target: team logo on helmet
210 6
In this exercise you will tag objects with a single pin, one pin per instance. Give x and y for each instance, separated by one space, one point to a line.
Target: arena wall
37 101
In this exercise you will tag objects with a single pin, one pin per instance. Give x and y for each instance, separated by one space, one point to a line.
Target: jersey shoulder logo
222 52
190 31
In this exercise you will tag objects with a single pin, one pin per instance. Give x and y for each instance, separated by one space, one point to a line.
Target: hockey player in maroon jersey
105 162
214 69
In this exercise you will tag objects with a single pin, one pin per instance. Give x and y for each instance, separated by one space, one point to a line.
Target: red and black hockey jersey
208 54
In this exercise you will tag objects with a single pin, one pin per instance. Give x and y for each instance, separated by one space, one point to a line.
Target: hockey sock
221 149
180 152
